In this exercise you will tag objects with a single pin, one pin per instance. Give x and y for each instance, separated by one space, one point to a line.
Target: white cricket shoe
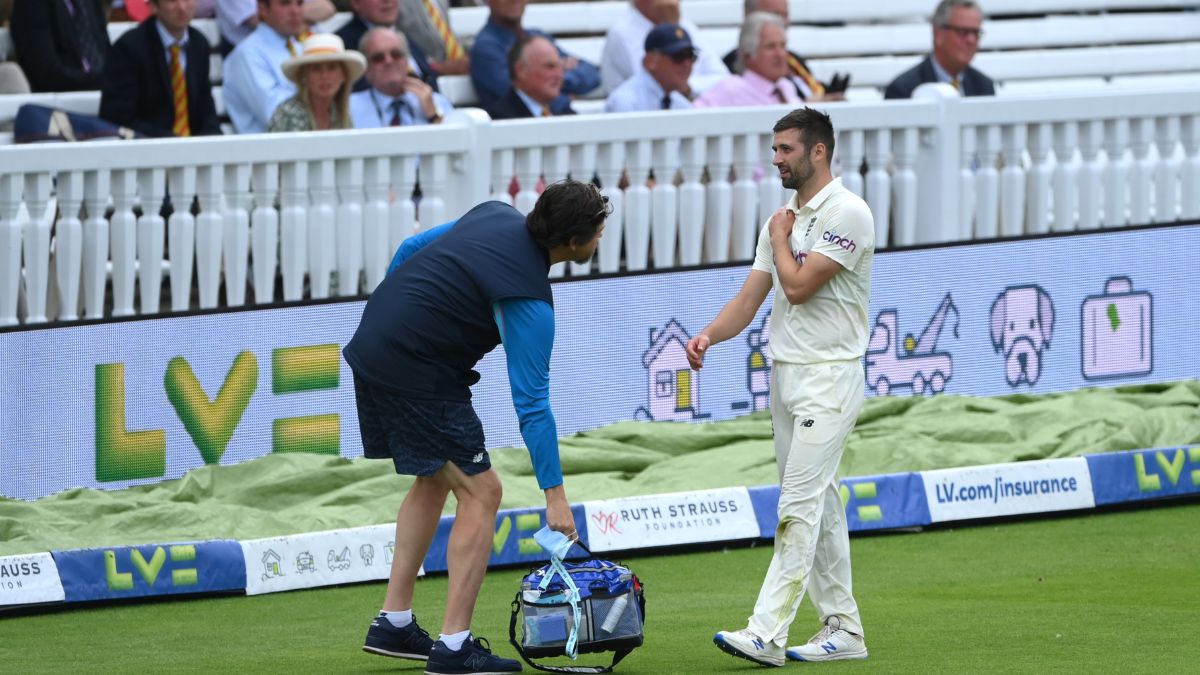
831 643
747 645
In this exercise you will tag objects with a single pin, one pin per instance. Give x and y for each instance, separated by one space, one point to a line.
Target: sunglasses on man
377 58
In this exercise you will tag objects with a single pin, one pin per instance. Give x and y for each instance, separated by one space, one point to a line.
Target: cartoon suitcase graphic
1116 331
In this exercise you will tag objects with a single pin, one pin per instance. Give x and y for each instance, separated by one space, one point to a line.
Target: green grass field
1099 593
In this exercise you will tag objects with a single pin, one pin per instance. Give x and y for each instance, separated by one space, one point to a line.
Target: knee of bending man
488 489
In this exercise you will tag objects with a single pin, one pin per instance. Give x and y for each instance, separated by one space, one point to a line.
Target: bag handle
573 597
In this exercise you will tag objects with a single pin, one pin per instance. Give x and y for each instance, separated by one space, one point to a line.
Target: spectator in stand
956 34
254 80
394 97
762 45
62 45
662 81
502 30
624 45
807 85
236 19
370 14
322 73
157 81
426 23
536 71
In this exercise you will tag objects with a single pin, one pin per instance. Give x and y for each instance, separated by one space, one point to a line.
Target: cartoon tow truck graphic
914 363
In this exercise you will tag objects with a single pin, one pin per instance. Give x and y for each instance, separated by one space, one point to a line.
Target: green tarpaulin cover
289 493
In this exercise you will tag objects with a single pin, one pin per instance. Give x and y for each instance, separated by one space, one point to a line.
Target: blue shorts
419 435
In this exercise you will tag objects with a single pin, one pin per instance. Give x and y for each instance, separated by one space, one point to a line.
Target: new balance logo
476 662
758 643
478 458
829 648
806 423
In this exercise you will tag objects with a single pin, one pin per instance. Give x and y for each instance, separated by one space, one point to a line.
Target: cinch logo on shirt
838 240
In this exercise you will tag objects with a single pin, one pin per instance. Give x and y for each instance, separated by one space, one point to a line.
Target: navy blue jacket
974 83
49 50
511 107
137 84
430 321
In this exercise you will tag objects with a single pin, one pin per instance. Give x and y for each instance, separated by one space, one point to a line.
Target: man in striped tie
157 80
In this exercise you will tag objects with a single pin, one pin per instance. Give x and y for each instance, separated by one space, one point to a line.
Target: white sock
454 641
398 619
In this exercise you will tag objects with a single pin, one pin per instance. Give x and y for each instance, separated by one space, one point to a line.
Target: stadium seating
1029 46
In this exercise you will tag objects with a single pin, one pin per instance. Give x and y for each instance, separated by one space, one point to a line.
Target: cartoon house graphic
270 562
673 390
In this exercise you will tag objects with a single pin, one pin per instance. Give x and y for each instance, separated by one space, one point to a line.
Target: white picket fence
323 212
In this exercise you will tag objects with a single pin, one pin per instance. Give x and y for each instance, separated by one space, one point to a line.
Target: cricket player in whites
816 252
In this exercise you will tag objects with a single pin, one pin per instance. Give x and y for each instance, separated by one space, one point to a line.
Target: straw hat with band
325 48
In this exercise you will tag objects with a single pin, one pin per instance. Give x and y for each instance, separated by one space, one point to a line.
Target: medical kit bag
578 607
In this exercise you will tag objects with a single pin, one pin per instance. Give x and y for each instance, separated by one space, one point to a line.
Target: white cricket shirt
832 325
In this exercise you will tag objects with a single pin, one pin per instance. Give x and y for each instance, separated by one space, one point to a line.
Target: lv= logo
122 454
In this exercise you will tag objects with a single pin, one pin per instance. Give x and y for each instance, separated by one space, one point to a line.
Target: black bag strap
512 638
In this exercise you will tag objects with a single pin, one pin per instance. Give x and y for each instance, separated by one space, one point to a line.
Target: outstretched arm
527 332
733 317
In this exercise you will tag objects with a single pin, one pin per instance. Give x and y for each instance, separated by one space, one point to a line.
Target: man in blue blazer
956 35
137 91
536 70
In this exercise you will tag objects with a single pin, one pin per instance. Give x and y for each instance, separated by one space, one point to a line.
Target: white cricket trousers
813 409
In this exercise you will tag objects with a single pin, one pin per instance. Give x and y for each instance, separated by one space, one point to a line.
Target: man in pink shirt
762 47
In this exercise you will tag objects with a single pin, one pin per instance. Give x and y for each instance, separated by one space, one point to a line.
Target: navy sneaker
410 642
475 658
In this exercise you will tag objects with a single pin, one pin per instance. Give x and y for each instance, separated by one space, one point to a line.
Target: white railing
1031 165
323 212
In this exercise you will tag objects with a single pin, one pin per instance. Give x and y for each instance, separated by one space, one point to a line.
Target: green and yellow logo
122 454
523 524
148 570
862 491
1168 464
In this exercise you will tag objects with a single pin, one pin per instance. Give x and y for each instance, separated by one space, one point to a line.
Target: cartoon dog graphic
1022 323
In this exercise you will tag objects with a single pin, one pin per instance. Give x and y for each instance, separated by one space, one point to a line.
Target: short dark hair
814 127
517 51
568 211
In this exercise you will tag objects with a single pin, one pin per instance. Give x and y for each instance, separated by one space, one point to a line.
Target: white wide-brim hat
325 48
